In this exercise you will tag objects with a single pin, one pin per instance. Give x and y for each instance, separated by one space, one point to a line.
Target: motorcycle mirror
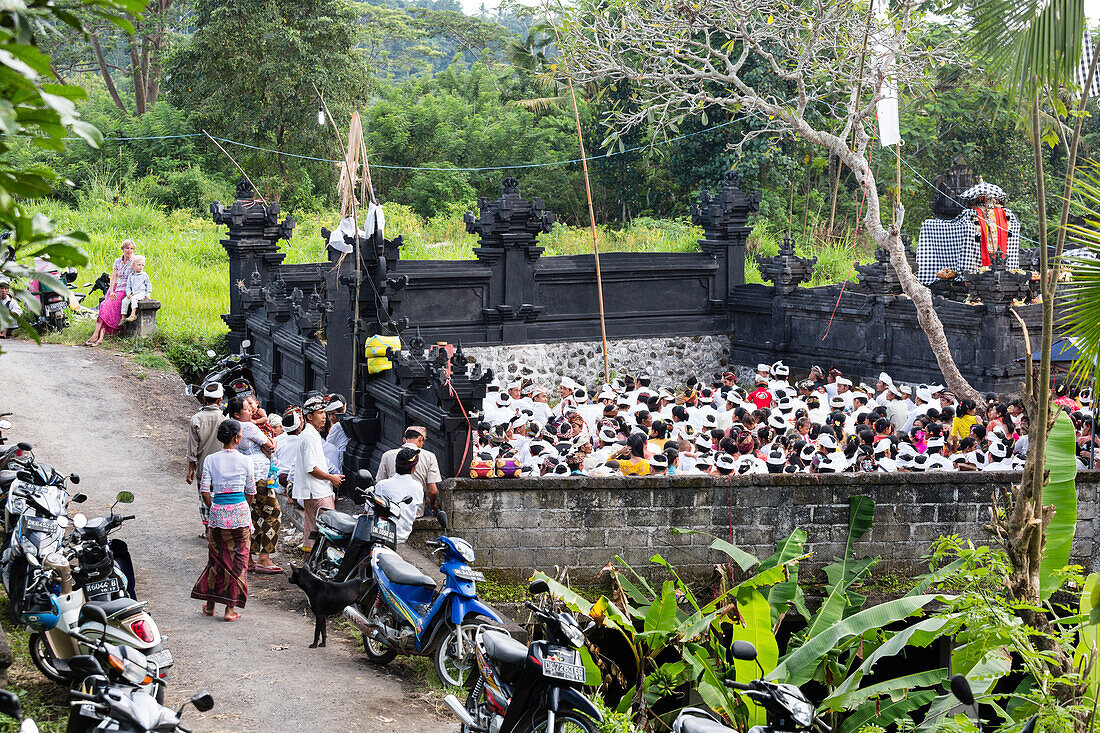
1029 727
125 497
960 688
365 477
245 344
211 353
203 702
538 587
743 650
23 446
5 425
10 705
441 517
407 500
80 521
74 478
79 498
84 666
62 521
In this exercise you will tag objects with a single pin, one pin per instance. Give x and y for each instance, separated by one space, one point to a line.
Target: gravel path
121 427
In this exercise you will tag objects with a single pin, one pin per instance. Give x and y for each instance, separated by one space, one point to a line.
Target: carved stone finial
245 192
510 186
787 270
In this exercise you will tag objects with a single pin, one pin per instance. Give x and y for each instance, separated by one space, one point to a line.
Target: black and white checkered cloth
1087 52
989 190
956 244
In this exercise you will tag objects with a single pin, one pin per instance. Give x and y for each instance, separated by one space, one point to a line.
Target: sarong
225 579
266 518
110 311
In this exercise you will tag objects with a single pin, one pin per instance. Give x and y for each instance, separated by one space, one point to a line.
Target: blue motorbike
404 612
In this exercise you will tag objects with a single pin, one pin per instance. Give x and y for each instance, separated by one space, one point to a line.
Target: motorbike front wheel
376 651
17 583
43 658
317 556
568 722
451 669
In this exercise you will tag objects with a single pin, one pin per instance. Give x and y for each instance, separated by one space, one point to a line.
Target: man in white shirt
426 470
313 484
286 445
336 436
402 485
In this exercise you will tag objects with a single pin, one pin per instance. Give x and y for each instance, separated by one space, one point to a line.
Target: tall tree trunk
279 134
139 78
106 73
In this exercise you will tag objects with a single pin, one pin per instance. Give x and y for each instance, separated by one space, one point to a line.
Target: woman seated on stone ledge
808 427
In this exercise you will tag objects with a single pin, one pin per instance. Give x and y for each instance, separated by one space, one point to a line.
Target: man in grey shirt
427 466
202 440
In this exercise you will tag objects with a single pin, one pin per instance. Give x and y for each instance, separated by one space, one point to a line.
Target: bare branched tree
826 65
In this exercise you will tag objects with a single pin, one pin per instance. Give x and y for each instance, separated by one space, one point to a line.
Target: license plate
55 307
34 524
100 587
561 670
469 574
383 530
162 659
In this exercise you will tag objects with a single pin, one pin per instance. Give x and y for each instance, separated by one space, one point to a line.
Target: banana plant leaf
982 676
920 634
755 627
884 715
1061 491
895 689
798 667
1088 641
782 594
844 573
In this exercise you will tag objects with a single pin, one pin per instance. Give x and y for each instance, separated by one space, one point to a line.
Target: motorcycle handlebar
81 697
127 517
734 684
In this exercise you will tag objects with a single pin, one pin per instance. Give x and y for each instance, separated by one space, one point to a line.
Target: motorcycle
342 543
59 606
234 371
12 458
404 611
101 567
51 316
787 709
116 690
11 707
34 524
522 689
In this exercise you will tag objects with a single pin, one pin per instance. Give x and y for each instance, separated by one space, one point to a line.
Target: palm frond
1081 296
539 104
1030 41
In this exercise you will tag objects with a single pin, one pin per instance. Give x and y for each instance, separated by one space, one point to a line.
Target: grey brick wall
518 525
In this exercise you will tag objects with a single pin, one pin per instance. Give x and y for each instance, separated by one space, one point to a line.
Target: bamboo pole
591 215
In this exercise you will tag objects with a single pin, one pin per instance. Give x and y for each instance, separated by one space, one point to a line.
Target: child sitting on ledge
138 287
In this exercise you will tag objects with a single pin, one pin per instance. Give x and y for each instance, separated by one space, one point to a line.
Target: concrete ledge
145 325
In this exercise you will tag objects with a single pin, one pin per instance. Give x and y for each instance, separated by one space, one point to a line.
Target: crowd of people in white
824 423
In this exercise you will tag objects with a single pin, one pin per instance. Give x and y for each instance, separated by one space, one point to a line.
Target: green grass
43 701
189 266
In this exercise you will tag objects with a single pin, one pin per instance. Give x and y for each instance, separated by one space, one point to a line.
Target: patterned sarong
225 578
266 518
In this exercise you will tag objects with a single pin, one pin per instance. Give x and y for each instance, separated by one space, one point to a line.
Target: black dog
325 598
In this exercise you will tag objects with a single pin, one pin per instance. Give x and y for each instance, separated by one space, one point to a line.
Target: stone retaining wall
517 525
669 361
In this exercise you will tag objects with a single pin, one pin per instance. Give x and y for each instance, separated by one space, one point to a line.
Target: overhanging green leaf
1061 491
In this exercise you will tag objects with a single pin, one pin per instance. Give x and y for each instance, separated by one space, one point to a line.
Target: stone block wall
669 361
519 525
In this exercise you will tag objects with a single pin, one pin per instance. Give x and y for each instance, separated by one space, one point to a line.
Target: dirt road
121 427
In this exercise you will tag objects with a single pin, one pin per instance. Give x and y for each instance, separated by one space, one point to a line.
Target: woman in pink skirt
110 310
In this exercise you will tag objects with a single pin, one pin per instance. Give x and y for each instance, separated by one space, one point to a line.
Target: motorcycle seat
503 648
118 608
403 573
699 724
337 521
